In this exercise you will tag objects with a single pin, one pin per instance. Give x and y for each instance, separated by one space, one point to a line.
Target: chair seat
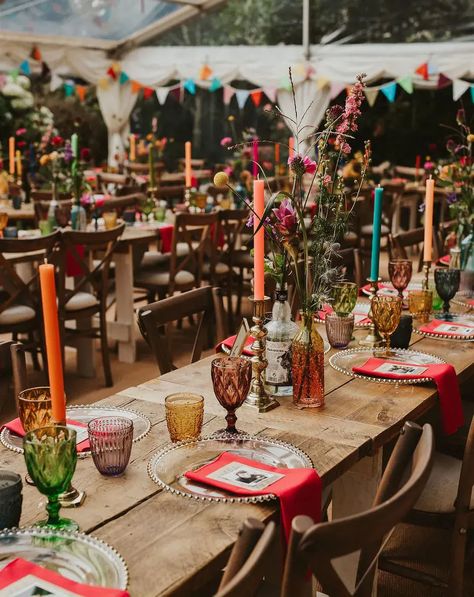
440 491
153 259
149 278
81 300
368 229
220 268
16 314
242 259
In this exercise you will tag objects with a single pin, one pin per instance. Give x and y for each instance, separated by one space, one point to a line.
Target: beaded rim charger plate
167 467
77 556
84 414
344 360
462 297
467 320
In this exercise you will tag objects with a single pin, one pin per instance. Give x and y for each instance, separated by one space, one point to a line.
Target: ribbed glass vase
307 365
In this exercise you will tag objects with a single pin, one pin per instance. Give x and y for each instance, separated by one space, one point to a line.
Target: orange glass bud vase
307 365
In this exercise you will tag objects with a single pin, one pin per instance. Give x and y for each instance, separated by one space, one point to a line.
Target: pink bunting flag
228 93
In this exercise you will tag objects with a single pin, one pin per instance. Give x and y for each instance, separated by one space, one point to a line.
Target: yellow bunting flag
103 83
322 82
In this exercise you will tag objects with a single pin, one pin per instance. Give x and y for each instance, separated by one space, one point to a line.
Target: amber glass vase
307 365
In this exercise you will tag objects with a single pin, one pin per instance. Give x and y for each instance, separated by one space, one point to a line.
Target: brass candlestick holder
426 274
373 338
187 196
258 397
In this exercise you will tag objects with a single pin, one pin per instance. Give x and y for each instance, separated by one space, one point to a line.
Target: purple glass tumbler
111 443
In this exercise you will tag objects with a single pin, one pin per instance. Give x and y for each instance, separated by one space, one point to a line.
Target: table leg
354 492
127 347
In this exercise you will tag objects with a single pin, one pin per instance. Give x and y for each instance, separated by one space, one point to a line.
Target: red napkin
299 489
166 236
448 328
445 259
470 302
21 575
229 342
359 318
16 427
73 267
444 376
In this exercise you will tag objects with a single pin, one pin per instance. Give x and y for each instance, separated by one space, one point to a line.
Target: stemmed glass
447 284
231 377
51 456
400 271
386 313
3 222
344 296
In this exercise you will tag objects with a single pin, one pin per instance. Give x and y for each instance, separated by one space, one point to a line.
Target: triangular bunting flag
111 72
432 69
56 82
190 86
228 93
406 83
242 97
256 97
459 87
371 94
116 68
147 92
205 72
299 70
422 70
322 82
162 94
310 71
472 94
81 92
390 91
124 78
136 86
45 70
25 67
215 84
14 74
35 54
271 93
177 93
285 83
443 81
336 89
68 88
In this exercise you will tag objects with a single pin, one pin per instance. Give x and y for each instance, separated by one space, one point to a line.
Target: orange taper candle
277 154
429 203
132 150
53 343
187 163
11 155
291 145
258 240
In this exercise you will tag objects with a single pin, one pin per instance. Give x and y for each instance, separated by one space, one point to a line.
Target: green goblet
51 456
344 295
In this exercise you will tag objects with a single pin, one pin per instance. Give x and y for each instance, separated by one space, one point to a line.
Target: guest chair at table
349 262
111 182
7 408
89 296
205 302
20 306
447 502
316 546
413 239
171 194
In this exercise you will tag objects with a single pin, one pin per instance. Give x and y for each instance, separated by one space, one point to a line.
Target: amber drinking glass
447 284
110 219
184 415
51 456
111 441
231 377
344 295
420 303
400 271
386 313
34 408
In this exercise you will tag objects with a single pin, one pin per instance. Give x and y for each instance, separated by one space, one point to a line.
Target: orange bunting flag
81 92
112 74
116 68
205 72
35 54
147 92
256 97
423 71
136 86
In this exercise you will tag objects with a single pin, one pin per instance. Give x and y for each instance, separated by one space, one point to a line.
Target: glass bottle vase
307 365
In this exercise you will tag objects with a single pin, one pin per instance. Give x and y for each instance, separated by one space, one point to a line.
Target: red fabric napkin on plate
448 328
444 376
229 342
166 236
21 577
298 489
445 259
359 317
16 427
470 302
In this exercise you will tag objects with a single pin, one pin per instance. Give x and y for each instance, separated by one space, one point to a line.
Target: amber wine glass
386 313
231 377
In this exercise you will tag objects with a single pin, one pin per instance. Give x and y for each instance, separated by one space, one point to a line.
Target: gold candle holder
187 196
426 274
373 338
258 397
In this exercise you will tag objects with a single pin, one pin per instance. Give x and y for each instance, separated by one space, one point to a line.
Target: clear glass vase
307 365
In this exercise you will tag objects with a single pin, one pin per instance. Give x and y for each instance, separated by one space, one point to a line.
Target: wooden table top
26 212
173 545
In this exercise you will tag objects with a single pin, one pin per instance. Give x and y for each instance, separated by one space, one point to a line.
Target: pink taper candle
187 163
258 240
429 203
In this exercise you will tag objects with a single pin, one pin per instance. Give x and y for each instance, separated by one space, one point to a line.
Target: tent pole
306 44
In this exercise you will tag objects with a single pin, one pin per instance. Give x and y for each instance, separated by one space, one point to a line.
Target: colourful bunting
147 92
14 74
35 54
190 86
371 94
205 72
228 93
25 67
390 91
472 93
299 70
241 96
112 74
81 92
336 89
69 88
256 97
271 93
136 86
310 71
162 94
443 81
322 82
177 93
103 83
45 70
459 88
124 78
56 82
116 68
422 70
406 83
285 83
432 69
215 84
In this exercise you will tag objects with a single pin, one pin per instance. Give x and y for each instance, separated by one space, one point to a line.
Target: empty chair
316 546
205 302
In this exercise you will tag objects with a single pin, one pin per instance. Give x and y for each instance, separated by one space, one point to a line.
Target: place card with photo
452 328
245 476
401 369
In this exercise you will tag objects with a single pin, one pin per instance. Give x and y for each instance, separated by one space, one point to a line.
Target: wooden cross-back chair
20 307
348 260
316 546
89 295
104 179
171 194
152 319
7 408
62 212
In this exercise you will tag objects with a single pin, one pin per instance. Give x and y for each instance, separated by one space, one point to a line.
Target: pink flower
327 180
428 165
287 223
228 170
348 119
226 141
302 164
20 132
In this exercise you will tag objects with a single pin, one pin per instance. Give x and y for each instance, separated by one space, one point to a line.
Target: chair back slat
18 360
